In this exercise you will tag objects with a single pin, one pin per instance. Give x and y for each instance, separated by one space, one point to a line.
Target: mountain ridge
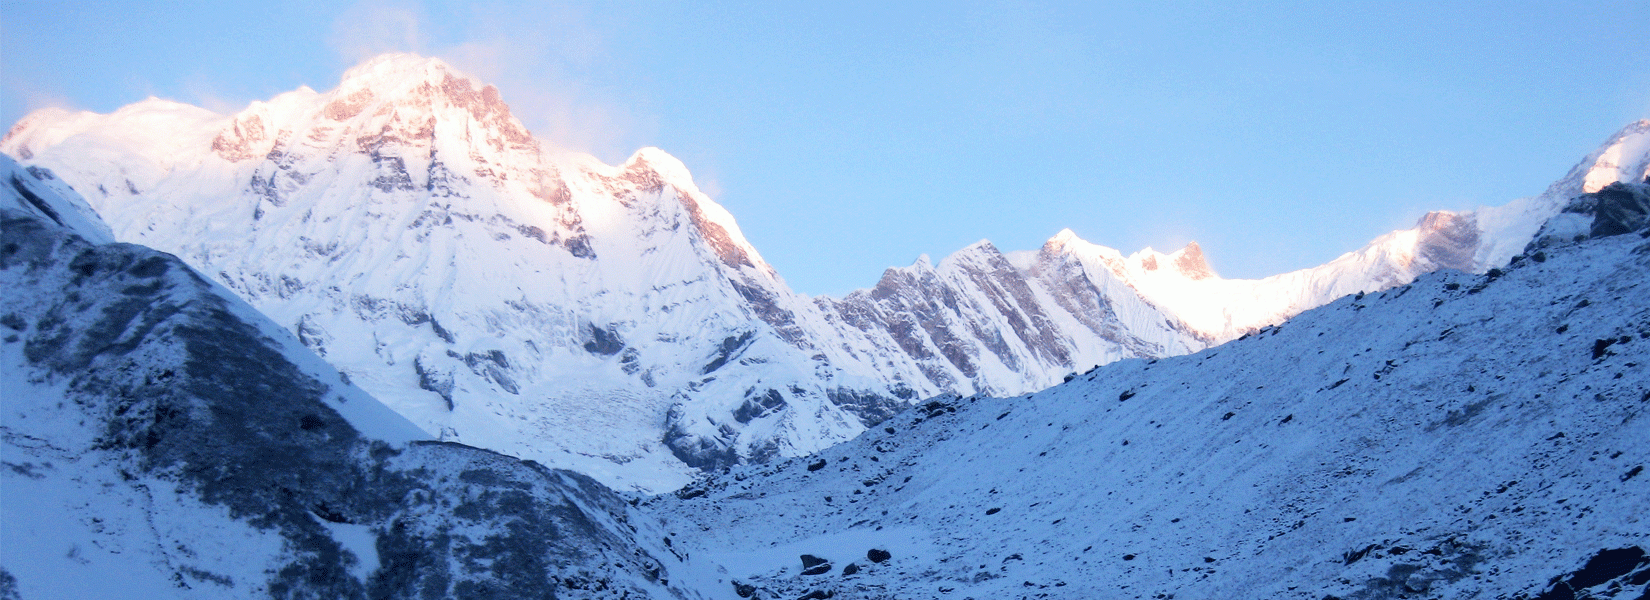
507 295
1463 435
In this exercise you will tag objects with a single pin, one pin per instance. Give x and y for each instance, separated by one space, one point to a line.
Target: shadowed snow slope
161 439
1460 436
414 234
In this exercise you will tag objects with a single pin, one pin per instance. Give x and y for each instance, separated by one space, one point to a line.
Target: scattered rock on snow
814 565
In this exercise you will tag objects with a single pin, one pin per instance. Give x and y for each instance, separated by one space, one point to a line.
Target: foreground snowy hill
409 230
161 439
1462 436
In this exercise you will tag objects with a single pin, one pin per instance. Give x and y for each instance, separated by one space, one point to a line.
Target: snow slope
410 231
1461 436
162 439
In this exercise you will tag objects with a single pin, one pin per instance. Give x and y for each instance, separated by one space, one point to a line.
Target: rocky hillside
1461 436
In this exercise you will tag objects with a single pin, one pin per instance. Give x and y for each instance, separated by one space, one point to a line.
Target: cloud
549 61
552 66
372 27
29 100
204 93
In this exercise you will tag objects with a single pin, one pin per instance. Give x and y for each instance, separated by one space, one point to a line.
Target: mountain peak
398 69
669 168
418 91
1626 157
1191 262
1187 261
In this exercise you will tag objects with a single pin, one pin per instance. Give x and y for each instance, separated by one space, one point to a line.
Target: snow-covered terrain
1471 427
613 319
1462 436
161 439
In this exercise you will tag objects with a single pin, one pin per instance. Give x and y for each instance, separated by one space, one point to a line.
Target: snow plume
552 62
548 59
372 27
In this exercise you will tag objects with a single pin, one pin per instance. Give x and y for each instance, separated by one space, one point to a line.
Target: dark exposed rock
729 348
1455 561
392 173
1352 556
814 565
35 200
8 586
700 452
493 366
604 341
431 380
759 405
1448 240
870 407
1619 567
1620 208
1602 347
440 331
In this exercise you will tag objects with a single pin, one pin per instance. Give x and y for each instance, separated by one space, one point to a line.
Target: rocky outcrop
1621 208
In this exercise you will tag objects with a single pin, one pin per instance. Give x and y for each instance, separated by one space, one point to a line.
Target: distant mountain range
613 319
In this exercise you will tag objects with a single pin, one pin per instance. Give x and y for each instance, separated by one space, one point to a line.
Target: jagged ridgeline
503 294
163 439
1461 436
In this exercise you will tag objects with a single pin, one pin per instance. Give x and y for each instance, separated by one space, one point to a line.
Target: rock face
1622 208
1614 209
411 232
163 439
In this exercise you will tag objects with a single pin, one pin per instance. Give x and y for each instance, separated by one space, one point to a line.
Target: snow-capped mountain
613 319
162 439
1461 436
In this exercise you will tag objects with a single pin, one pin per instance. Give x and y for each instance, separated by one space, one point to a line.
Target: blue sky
849 137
